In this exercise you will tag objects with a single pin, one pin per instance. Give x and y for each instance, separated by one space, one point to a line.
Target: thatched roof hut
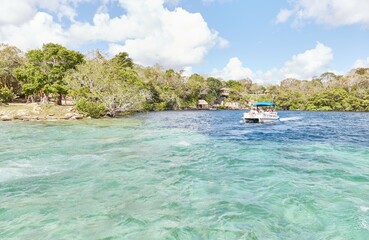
224 92
202 104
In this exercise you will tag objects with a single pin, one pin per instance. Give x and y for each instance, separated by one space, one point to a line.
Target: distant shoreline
52 112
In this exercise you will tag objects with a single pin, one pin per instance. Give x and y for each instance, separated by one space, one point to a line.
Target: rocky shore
38 112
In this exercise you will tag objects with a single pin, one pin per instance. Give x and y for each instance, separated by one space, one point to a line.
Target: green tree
213 86
112 89
194 90
45 69
289 100
31 75
6 95
165 88
122 60
10 59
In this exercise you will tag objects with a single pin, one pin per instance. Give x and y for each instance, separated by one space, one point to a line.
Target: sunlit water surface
186 175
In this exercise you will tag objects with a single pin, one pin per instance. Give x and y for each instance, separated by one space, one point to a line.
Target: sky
265 41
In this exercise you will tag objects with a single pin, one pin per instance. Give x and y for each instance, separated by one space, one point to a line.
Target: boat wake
290 119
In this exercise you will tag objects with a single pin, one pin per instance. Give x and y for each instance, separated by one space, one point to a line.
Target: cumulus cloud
308 63
16 12
329 12
21 11
234 70
283 15
28 24
40 29
304 65
361 63
153 34
148 31
169 38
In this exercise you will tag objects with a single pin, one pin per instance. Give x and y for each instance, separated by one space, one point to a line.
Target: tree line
109 86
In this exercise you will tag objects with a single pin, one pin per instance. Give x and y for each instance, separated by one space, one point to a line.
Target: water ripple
186 175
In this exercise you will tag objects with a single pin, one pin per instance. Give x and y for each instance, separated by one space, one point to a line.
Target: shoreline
38 112
52 112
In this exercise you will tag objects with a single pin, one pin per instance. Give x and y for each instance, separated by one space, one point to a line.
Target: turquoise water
186 175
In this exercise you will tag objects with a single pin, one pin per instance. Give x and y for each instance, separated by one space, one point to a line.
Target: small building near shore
224 92
202 104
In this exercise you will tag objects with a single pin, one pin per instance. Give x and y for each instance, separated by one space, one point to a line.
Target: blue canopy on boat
264 104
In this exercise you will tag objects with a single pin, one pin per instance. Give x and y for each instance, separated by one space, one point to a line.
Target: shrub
90 108
159 106
6 95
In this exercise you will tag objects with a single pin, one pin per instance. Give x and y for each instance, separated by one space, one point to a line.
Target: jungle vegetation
109 86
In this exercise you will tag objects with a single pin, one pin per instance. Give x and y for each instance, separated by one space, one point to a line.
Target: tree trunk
44 98
32 99
59 101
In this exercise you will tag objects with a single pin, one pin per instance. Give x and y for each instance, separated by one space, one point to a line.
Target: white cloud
171 38
308 63
28 24
173 2
312 62
15 12
211 1
361 63
283 15
330 12
18 12
304 65
222 42
233 71
187 71
149 32
40 29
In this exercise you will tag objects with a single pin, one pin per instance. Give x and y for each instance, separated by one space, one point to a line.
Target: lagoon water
186 175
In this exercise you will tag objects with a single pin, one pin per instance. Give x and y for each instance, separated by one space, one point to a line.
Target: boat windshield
262 110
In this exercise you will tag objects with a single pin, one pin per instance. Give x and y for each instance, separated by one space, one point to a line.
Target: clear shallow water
186 175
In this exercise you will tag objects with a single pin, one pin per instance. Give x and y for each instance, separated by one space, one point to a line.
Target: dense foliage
110 85
329 92
44 70
6 95
101 86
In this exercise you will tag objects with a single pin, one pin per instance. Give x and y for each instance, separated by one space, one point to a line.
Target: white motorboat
261 112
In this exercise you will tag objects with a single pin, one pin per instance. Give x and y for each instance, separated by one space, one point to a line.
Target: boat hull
260 118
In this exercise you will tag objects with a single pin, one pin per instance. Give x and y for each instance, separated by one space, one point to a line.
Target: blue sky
230 39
